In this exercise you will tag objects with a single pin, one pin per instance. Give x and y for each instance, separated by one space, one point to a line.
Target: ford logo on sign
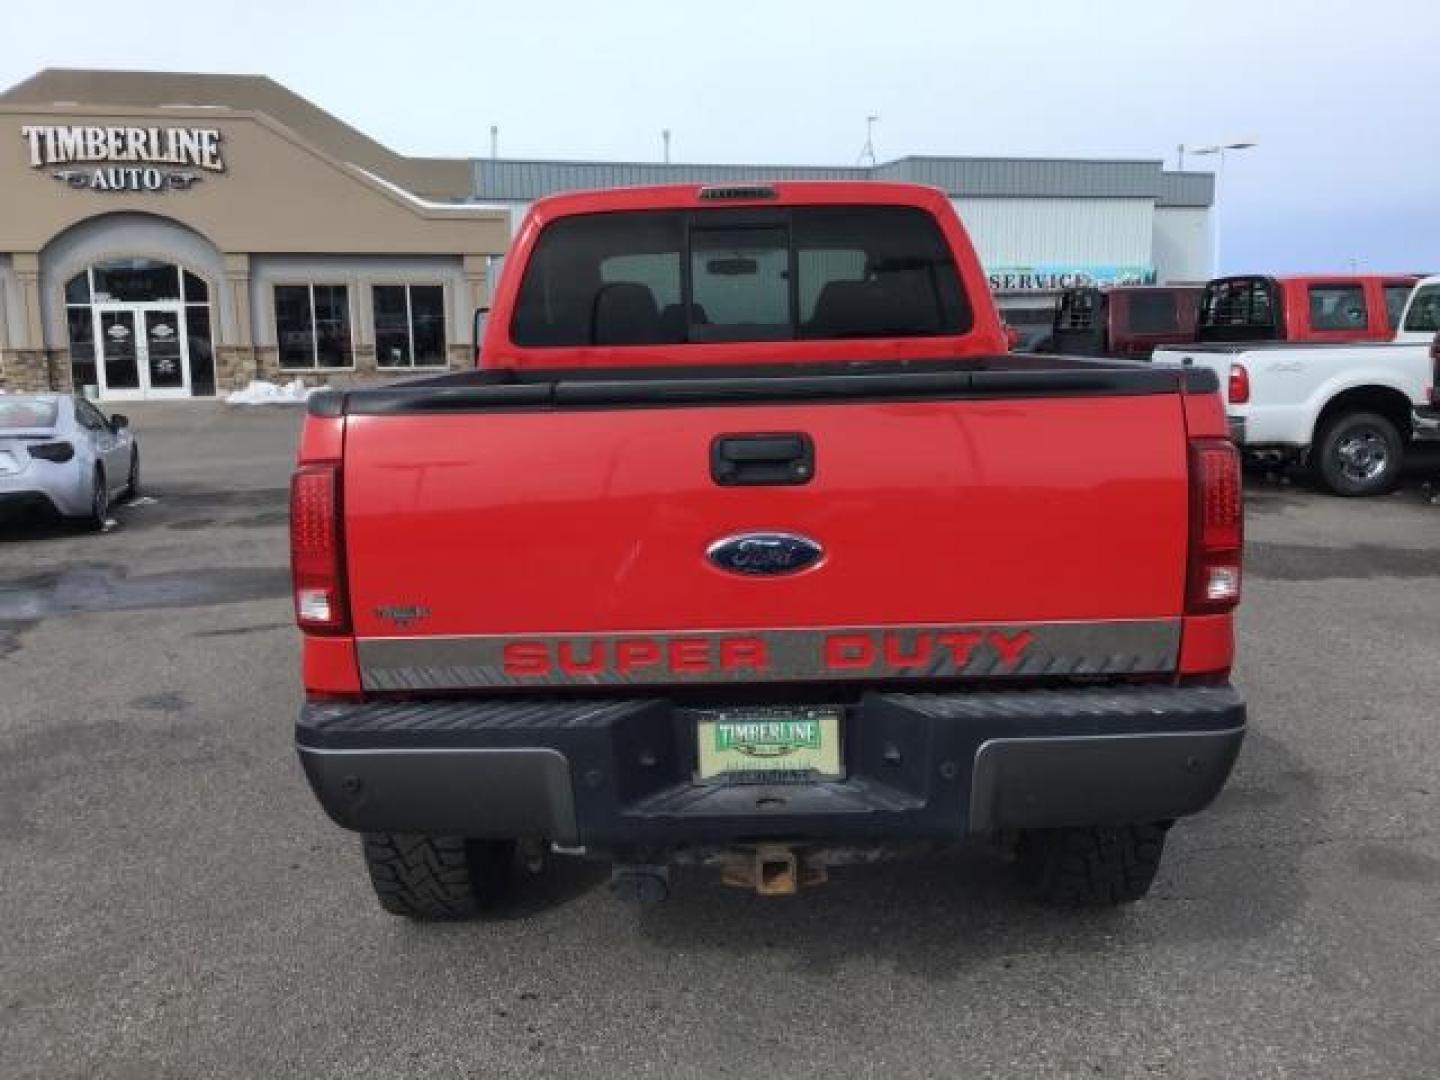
764 553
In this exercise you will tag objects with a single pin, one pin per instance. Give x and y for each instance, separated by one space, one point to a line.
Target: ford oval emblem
768 553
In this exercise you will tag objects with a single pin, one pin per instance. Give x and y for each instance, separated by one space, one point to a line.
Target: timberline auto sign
125 158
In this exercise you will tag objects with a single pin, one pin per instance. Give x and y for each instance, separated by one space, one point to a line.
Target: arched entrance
140 329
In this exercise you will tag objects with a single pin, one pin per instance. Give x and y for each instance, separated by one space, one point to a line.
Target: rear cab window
1155 312
736 275
1338 307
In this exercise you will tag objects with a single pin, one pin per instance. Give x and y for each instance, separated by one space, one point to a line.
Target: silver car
59 451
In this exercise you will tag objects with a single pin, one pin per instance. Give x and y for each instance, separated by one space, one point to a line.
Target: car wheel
438 877
1360 454
99 513
132 485
1100 866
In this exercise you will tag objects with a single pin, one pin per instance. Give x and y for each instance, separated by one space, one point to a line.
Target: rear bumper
17 503
620 774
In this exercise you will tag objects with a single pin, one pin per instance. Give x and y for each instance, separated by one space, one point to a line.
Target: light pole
1220 149
868 150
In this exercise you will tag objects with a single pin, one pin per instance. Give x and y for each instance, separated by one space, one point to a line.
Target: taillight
1238 391
58 452
316 550
1217 532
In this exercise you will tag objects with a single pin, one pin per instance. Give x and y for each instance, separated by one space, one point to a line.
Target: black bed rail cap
326 403
599 388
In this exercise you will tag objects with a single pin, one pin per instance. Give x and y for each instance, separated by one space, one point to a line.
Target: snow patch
260 392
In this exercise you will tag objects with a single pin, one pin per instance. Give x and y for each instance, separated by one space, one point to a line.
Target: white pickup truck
1349 411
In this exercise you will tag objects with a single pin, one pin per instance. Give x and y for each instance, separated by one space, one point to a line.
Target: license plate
760 744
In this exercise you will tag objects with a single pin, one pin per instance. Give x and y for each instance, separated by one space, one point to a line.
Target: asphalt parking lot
175 904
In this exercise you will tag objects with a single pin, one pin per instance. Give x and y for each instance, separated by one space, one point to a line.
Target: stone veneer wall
25 370
235 366
34 369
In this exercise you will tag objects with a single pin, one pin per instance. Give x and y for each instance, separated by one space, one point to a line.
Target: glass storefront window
81 323
135 281
131 332
202 354
409 325
312 326
77 289
196 291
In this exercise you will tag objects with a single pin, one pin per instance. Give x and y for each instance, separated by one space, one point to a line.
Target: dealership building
167 235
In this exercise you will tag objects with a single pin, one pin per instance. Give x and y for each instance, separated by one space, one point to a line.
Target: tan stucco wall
443 178
278 194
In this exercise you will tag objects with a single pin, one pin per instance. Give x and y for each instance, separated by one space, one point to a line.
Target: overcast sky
1341 96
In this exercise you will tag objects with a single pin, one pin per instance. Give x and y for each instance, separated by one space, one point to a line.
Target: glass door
120 354
144 351
166 368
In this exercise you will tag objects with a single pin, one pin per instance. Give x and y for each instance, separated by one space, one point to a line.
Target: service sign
93 158
1051 277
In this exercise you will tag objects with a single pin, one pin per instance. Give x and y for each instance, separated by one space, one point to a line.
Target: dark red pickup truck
749 546
1125 321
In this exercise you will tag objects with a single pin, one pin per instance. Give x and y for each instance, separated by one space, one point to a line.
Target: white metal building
1039 224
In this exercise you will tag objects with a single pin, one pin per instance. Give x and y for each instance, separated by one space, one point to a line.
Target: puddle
109 588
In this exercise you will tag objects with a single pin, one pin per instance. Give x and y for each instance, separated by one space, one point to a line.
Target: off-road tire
1097 866
1347 480
438 877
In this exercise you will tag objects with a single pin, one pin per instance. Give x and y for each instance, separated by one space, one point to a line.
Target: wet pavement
175 904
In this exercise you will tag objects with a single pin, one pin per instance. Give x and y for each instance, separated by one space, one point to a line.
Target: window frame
407 284
309 284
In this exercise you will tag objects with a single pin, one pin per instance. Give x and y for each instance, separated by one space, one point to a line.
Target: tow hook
771 870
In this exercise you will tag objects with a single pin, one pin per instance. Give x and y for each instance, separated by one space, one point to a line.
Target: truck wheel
1099 866
438 877
1359 454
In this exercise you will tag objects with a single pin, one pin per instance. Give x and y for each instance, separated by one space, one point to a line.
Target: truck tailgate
1041 534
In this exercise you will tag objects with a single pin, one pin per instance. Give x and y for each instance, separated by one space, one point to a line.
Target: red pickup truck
749 546
1304 307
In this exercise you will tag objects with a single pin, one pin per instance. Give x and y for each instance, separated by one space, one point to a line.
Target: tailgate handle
771 459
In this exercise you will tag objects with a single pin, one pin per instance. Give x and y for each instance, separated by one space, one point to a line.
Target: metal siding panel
964 177
1183 244
1028 232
